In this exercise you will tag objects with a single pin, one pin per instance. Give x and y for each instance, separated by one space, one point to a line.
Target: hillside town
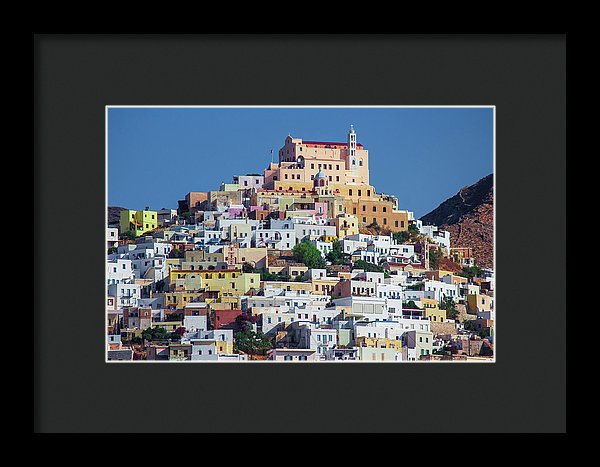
302 262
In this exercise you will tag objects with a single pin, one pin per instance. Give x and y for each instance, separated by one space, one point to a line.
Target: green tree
161 286
470 326
112 250
435 254
368 267
272 276
247 267
448 304
177 253
413 229
470 272
305 252
337 255
159 333
409 235
128 235
401 237
248 341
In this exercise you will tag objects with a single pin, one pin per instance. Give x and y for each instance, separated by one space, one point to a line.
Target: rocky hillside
469 217
114 213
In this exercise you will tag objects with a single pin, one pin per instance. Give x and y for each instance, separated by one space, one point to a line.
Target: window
302 357
287 357
374 208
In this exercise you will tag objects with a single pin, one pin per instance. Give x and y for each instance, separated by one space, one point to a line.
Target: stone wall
443 328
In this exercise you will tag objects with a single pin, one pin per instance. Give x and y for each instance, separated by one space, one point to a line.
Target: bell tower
352 159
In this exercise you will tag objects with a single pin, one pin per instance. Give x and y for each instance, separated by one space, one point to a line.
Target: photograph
308 234
300 234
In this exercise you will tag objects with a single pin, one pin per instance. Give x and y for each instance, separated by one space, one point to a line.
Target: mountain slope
114 214
469 217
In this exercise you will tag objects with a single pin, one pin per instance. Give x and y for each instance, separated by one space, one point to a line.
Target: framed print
195 193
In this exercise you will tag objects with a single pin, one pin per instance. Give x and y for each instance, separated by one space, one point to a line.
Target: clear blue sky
421 155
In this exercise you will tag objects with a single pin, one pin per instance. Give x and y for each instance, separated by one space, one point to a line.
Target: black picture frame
76 76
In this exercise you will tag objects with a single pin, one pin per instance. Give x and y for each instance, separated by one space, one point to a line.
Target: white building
119 271
370 308
439 290
292 355
441 237
280 239
112 237
125 294
349 246
416 343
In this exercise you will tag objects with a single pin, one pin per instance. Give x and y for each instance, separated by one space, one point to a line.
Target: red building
220 318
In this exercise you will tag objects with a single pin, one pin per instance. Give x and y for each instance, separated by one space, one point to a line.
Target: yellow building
333 172
479 303
302 288
345 225
324 286
224 347
432 311
180 299
379 343
139 222
218 284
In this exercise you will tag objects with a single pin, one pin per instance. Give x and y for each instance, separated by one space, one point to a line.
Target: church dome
320 179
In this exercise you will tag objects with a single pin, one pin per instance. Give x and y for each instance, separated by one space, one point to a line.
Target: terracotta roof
330 143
